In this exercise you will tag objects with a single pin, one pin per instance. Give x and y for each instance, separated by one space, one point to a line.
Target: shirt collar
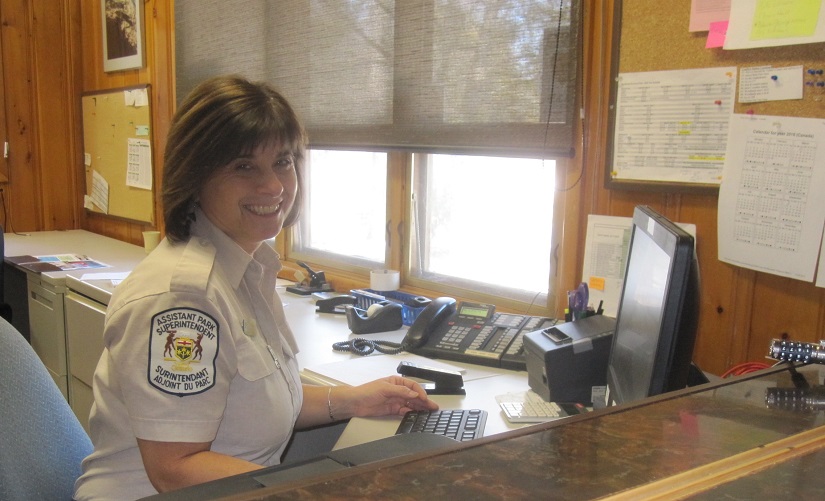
233 259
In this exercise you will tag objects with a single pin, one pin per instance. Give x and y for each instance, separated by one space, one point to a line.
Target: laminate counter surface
606 452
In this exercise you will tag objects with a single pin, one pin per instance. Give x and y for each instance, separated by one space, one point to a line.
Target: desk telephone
473 333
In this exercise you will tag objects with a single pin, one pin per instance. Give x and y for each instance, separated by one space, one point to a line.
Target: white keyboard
529 407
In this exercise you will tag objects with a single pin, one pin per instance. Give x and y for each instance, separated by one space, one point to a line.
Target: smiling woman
199 378
250 198
260 136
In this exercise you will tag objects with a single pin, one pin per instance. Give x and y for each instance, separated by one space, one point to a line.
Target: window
472 102
344 216
460 216
470 211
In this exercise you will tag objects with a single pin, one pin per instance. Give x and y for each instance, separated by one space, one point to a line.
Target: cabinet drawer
84 334
47 328
82 400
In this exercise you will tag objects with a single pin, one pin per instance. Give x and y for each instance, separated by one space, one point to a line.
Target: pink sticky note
716 34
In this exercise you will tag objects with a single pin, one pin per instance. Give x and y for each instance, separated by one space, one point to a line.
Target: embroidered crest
182 351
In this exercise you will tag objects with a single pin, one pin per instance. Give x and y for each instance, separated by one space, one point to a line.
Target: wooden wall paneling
40 80
75 76
4 167
54 92
23 202
782 306
715 316
740 291
162 63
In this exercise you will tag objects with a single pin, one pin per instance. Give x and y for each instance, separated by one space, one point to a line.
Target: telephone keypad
497 342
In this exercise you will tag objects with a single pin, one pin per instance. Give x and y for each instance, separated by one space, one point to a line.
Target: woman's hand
393 395
387 396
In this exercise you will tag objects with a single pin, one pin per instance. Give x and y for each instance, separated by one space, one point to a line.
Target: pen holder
577 304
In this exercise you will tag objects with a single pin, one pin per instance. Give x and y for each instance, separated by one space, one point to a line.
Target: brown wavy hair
221 119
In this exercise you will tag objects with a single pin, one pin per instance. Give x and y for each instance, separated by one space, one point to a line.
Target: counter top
119 256
657 444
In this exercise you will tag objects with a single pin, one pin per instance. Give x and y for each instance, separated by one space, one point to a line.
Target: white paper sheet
673 125
704 12
771 213
766 83
605 255
139 164
100 191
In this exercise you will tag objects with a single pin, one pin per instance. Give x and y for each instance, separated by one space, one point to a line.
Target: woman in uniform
198 379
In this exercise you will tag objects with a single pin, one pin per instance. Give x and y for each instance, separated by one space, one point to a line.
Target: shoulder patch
183 347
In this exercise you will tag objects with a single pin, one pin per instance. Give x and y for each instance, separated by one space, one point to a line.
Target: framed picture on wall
122 34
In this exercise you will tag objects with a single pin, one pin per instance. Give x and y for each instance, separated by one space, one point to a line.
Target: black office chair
5 309
43 442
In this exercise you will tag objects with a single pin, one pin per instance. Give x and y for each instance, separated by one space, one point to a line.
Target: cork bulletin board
653 38
117 146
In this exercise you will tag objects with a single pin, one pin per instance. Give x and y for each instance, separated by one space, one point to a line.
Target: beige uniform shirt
197 349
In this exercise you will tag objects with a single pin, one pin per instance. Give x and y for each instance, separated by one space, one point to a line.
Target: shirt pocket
254 361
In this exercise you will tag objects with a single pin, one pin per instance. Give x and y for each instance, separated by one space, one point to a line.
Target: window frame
353 264
400 185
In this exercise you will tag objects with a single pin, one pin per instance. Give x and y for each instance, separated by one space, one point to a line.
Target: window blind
495 77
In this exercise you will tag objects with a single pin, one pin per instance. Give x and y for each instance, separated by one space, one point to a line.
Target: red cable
744 368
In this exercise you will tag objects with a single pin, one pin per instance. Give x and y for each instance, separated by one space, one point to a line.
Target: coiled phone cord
363 347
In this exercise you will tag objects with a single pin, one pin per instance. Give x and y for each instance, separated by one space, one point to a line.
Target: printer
568 362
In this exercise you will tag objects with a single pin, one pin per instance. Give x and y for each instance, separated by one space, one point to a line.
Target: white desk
120 256
65 314
316 332
84 303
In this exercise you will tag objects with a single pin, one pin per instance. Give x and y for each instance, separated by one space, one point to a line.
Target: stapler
444 381
334 304
317 282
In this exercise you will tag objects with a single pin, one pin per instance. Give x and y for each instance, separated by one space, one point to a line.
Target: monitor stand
696 376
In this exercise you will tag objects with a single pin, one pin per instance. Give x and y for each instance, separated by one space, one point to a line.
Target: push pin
749 112
774 78
717 102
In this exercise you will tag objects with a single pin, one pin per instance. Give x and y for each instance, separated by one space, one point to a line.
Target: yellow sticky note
784 19
596 283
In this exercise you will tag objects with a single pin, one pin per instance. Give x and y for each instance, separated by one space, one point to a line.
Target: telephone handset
470 332
433 315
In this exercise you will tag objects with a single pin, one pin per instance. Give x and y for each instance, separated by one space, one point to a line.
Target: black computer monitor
658 311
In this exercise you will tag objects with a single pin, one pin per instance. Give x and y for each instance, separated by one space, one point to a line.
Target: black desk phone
473 333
